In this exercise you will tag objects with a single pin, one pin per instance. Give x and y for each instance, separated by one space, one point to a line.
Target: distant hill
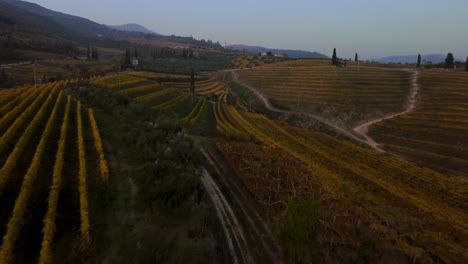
84 31
74 24
291 53
132 27
22 30
434 58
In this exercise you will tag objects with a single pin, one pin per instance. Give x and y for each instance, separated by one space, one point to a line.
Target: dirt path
362 129
268 105
246 234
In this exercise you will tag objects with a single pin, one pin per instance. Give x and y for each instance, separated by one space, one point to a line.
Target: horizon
373 30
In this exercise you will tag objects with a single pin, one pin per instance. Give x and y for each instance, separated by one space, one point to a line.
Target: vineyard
45 149
435 134
418 210
347 94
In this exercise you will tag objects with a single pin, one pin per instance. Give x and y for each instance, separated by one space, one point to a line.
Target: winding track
248 238
361 129
268 105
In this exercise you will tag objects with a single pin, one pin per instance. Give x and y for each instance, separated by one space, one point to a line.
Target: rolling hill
296 54
73 24
132 27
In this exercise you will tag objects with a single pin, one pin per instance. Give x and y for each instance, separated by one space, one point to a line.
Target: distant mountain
73 24
434 58
22 30
132 27
291 53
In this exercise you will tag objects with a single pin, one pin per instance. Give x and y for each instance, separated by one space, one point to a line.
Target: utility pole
34 74
119 74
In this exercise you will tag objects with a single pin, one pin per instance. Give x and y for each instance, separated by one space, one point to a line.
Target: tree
419 61
136 53
89 52
449 61
356 57
127 57
466 64
192 82
96 54
334 59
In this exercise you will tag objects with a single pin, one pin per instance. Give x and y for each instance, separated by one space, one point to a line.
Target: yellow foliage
98 144
10 164
49 219
17 219
82 188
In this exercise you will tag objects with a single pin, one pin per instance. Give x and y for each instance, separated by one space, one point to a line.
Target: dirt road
248 238
362 129
268 105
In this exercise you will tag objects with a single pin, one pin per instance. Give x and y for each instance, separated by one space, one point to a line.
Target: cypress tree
419 61
449 61
333 62
192 82
466 64
127 57
89 53
355 57
96 54
136 53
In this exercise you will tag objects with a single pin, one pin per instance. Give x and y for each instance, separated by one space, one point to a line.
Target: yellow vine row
98 144
10 164
130 91
18 217
172 103
195 113
14 99
151 96
11 115
82 188
49 219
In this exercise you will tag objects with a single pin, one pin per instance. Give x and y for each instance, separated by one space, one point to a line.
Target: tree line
449 62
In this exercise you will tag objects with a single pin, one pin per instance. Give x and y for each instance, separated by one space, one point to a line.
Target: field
435 133
410 210
49 144
407 203
345 95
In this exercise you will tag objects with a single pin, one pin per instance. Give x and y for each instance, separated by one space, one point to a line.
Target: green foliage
466 64
419 61
356 57
368 248
207 61
167 159
299 236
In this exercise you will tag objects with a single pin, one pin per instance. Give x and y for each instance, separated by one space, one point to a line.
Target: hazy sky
373 28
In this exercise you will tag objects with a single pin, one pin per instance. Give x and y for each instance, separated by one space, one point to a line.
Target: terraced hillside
345 95
435 134
413 212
